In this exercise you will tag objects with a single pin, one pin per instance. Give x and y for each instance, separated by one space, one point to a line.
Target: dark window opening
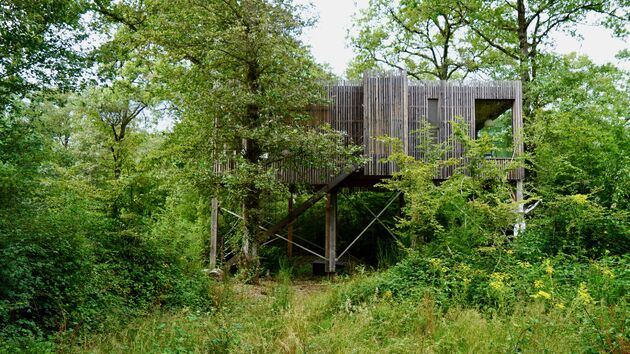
493 118
433 116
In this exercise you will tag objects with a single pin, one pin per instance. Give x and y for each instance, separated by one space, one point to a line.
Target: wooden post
519 226
331 230
519 194
327 230
214 221
290 230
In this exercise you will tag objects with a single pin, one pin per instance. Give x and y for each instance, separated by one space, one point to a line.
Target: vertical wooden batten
214 227
388 104
385 113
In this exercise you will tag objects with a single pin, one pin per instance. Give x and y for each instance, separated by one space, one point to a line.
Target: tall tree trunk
524 54
117 157
251 208
252 152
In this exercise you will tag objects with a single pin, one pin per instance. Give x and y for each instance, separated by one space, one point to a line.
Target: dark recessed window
433 116
493 118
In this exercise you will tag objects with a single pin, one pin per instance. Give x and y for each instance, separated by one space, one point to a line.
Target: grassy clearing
309 317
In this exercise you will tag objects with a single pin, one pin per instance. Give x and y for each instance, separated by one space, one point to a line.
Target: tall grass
276 317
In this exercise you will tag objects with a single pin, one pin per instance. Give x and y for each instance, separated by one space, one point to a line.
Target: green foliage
61 275
473 208
430 40
104 219
239 89
46 264
581 139
494 281
36 51
576 224
500 133
323 319
22 149
580 133
68 265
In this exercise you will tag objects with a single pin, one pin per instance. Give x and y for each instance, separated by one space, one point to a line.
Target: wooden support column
519 226
519 194
214 227
290 230
331 230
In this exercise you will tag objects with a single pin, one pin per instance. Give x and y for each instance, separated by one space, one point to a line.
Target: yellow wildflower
462 267
436 264
538 284
559 305
509 252
497 281
524 264
466 281
609 273
583 296
387 294
548 266
605 271
543 294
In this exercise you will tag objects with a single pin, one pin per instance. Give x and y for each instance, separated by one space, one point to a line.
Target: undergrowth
555 306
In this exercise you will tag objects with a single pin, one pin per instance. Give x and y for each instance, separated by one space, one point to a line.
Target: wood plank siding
391 105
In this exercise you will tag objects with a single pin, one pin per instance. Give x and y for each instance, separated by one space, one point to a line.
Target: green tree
581 132
520 31
581 163
426 38
240 84
443 38
36 39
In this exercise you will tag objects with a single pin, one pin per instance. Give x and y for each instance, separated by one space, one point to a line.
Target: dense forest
115 113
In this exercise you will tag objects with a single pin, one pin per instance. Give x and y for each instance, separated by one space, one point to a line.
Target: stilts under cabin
411 111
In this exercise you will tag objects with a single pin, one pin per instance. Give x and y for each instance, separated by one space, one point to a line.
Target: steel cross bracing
277 235
235 225
376 217
362 204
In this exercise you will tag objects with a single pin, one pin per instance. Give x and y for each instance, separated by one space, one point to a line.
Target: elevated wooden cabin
392 105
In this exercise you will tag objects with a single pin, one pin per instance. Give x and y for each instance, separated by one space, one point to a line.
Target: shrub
578 224
47 265
494 281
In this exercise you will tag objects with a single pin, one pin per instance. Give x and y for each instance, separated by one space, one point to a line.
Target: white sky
328 38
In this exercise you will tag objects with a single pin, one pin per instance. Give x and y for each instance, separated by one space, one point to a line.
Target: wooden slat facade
391 105
385 113
456 102
344 113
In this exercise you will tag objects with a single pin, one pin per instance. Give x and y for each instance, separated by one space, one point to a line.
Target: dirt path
301 287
